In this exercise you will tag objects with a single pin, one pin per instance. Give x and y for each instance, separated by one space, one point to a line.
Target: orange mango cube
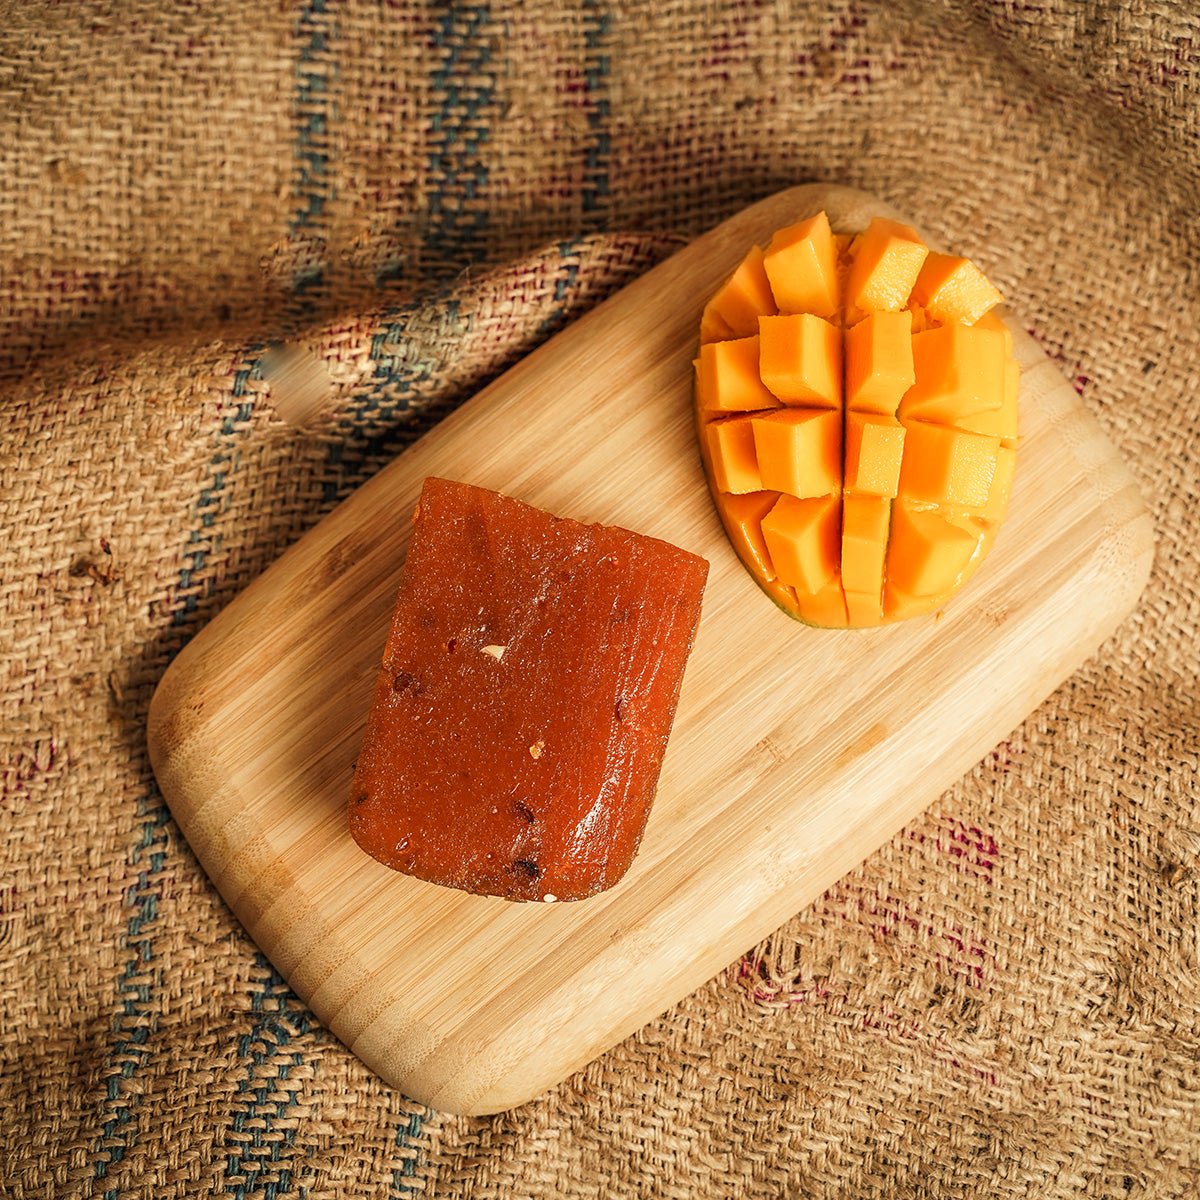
800 358
993 321
863 609
887 260
999 422
947 466
996 507
730 443
874 452
743 516
900 606
727 378
865 522
714 327
801 265
799 450
879 361
952 289
742 298
959 371
826 606
803 538
926 552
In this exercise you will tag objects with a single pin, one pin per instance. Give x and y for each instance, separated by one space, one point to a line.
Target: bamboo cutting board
795 753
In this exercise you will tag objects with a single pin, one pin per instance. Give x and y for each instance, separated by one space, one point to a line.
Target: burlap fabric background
1002 1002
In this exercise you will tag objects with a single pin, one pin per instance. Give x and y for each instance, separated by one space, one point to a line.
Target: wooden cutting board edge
465 1074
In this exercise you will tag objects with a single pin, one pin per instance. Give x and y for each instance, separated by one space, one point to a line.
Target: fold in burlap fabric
1003 1001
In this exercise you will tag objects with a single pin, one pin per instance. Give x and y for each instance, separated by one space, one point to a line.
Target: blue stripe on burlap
564 285
315 74
384 416
596 70
134 1021
259 1154
456 225
262 1136
381 418
406 1134
192 574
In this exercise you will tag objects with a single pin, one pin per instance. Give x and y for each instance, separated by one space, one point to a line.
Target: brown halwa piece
527 691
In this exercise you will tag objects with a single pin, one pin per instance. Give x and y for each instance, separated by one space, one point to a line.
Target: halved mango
872 482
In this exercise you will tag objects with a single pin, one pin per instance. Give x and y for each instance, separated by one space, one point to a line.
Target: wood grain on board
795 753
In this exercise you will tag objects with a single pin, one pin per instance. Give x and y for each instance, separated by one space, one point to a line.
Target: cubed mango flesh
825 607
743 517
996 508
802 268
799 450
742 298
728 380
803 538
874 452
947 467
714 327
993 321
865 523
959 371
800 359
731 453
879 361
887 259
953 289
860 435
998 422
926 552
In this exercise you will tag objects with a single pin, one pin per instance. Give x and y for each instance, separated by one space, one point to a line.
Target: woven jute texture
1003 1001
